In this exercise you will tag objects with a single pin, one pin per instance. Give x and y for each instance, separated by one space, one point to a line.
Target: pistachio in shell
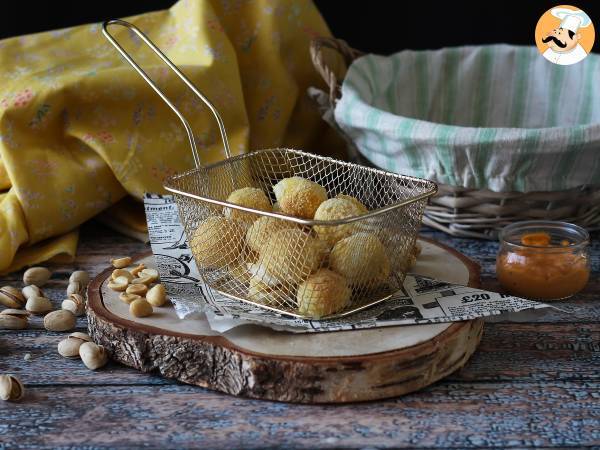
11 297
69 347
38 276
13 319
32 290
60 320
38 305
11 388
93 356
80 276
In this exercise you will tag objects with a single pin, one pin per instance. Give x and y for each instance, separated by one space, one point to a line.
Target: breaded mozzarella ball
361 207
335 209
291 255
262 229
217 242
299 197
323 293
362 259
249 197
261 292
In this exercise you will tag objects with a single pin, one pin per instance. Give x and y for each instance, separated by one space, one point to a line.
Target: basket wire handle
153 85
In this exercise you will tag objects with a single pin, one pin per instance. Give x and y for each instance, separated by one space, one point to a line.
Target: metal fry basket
307 268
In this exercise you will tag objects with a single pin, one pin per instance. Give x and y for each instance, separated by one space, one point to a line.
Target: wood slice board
257 362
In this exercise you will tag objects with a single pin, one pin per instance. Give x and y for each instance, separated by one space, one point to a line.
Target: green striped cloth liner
496 117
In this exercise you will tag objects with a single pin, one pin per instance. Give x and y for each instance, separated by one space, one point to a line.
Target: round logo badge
565 35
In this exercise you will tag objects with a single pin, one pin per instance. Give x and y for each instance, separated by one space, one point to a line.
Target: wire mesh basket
351 253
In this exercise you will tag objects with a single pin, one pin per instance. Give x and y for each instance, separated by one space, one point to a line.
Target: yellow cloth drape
79 129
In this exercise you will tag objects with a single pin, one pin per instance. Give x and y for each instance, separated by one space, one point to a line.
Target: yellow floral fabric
80 130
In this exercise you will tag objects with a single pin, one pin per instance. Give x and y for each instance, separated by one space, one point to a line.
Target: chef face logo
561 40
564 35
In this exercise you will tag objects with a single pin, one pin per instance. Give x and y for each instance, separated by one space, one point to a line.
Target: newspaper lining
428 300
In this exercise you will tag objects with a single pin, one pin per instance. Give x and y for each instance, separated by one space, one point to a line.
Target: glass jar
543 260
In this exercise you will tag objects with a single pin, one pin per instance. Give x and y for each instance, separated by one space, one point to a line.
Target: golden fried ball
323 293
299 197
217 242
240 272
334 209
261 292
361 258
409 263
249 197
411 259
291 255
361 207
262 229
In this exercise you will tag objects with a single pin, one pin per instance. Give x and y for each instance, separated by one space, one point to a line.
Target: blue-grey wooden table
533 382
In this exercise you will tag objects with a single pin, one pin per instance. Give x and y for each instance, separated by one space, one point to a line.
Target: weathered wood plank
97 245
508 352
484 252
581 308
445 415
535 352
45 366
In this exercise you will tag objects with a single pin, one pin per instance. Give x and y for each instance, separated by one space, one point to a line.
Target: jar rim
579 234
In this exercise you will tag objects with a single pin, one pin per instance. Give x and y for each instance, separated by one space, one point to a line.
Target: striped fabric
493 117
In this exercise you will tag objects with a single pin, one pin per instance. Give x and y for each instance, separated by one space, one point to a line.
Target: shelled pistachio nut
75 287
121 273
36 275
151 273
11 388
75 303
120 263
93 356
137 289
13 319
80 276
69 347
38 305
128 298
137 269
119 284
143 280
140 308
60 320
32 291
11 297
157 295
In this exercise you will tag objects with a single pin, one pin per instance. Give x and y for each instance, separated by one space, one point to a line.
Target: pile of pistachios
32 299
21 304
138 287
80 345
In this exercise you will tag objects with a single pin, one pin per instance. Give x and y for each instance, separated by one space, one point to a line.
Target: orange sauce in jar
540 270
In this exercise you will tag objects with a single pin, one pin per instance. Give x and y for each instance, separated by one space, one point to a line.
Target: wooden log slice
257 362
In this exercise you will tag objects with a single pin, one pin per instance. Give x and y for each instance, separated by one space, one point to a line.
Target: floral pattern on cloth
80 130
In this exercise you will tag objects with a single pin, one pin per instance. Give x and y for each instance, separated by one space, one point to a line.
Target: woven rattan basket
458 210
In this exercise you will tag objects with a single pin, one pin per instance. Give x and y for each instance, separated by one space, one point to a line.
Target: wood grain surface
534 382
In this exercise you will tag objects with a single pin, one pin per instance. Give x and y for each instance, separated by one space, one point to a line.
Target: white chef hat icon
571 19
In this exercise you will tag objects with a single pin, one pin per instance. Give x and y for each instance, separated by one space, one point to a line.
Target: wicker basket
457 210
